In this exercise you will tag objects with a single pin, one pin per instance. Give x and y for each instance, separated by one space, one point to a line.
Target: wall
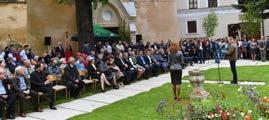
46 18
225 16
184 4
157 21
13 21
266 27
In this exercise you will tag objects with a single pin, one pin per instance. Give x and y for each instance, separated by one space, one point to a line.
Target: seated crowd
24 75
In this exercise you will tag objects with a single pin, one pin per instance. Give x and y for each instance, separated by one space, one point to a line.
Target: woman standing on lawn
175 60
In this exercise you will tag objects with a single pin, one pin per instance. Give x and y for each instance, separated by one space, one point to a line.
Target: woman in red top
68 52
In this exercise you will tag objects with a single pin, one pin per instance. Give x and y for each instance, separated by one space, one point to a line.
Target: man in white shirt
24 52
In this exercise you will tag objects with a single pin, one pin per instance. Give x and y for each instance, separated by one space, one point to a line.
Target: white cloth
23 55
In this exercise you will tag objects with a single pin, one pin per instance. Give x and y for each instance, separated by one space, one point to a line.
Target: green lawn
143 106
246 73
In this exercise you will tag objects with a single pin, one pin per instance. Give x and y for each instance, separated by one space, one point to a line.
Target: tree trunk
84 23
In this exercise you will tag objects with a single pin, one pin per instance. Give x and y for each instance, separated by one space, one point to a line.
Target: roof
130 8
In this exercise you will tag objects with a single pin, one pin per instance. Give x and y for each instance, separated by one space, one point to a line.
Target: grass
143 106
245 73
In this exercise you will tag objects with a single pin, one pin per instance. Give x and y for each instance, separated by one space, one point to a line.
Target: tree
259 6
251 21
124 32
210 23
84 18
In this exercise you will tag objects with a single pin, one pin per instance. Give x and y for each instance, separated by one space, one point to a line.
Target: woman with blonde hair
175 60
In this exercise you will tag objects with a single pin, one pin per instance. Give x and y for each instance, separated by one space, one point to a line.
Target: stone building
190 15
13 21
156 20
46 18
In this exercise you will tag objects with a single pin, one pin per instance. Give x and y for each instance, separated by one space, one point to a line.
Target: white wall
266 27
225 18
184 4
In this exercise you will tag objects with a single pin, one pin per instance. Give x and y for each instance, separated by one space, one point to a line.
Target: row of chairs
59 87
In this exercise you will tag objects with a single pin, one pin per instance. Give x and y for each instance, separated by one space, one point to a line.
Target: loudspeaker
47 41
138 38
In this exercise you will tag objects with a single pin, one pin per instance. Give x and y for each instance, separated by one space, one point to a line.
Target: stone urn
197 81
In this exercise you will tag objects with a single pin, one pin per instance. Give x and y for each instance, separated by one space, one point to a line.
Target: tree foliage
251 21
210 23
259 5
124 32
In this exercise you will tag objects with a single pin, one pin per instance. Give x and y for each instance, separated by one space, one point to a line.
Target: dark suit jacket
148 60
71 73
120 64
7 82
17 84
140 61
92 72
59 50
38 79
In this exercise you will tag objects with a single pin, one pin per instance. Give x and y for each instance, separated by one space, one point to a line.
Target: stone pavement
90 103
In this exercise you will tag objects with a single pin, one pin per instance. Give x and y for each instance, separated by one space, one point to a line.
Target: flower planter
197 81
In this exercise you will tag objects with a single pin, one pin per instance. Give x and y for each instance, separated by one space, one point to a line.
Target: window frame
193 4
189 27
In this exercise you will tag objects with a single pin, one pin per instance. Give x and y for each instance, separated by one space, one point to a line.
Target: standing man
232 57
262 47
267 47
59 50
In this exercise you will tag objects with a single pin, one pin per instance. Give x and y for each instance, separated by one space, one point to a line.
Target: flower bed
250 107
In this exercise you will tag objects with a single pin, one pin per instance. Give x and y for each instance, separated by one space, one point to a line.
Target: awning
101 33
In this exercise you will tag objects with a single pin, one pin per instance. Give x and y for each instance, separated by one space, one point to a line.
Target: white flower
228 113
249 111
242 114
239 89
189 85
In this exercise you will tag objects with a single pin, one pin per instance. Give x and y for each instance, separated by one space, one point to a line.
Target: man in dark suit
152 62
59 50
124 67
142 62
39 83
72 79
6 96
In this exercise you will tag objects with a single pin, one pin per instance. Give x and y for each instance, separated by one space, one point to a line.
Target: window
192 27
193 4
212 3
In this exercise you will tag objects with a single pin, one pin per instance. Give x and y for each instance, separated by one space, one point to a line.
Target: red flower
248 117
224 115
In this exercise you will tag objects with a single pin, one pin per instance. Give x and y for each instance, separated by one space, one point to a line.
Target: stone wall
13 21
46 18
157 21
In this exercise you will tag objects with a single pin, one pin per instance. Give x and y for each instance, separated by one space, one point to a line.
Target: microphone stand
219 81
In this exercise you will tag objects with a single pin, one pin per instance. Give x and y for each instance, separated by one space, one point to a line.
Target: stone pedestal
197 81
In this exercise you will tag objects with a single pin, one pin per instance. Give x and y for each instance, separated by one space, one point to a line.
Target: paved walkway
88 104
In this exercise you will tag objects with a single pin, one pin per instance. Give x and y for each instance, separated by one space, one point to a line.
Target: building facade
46 18
13 21
191 13
156 20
